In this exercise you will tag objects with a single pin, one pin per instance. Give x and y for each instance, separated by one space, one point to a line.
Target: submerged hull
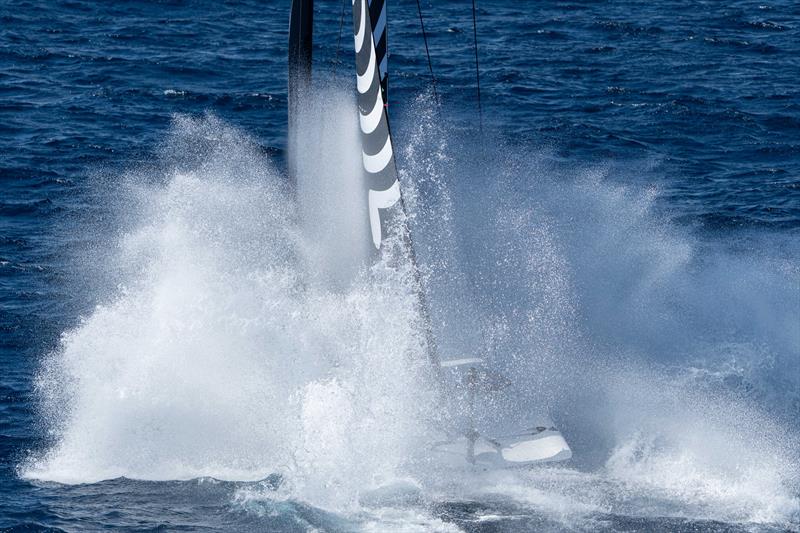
521 449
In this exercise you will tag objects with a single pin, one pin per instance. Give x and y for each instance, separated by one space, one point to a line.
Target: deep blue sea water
635 199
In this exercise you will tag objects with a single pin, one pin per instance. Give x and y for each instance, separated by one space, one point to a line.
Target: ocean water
188 341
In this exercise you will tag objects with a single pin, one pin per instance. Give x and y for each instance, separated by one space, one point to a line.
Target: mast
301 38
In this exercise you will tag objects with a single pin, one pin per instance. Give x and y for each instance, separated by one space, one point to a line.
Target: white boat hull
518 450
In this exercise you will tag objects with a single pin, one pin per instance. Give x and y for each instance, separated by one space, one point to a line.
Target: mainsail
382 193
376 141
380 36
383 188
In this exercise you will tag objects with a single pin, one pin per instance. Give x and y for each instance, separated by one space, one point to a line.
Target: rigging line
427 52
477 65
339 40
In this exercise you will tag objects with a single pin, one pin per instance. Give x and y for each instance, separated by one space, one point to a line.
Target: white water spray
225 354
244 341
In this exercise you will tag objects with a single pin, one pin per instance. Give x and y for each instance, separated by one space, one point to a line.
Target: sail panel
376 142
380 35
384 196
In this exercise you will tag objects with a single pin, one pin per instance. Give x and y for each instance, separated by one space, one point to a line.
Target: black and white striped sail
380 36
370 31
376 142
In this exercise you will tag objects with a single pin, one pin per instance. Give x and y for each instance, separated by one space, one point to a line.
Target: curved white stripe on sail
371 120
381 200
361 29
365 80
375 163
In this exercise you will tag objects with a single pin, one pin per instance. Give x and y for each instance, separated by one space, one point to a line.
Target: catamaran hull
520 450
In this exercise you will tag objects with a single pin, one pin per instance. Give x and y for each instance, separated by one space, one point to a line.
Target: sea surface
186 344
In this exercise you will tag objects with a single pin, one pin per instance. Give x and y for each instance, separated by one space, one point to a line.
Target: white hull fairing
489 437
526 448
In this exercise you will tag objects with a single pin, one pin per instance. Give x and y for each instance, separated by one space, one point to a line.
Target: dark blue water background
700 98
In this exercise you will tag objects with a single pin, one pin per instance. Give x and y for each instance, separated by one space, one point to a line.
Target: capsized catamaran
471 440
